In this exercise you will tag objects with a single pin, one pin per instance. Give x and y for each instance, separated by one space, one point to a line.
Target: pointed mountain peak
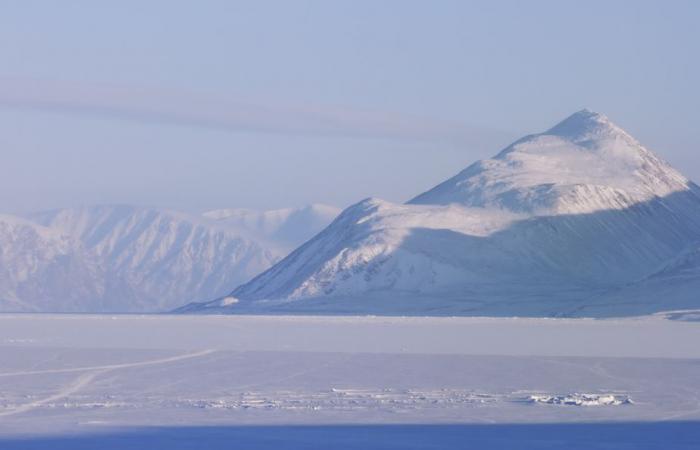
584 163
587 125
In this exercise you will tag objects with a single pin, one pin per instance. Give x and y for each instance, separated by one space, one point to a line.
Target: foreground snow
169 382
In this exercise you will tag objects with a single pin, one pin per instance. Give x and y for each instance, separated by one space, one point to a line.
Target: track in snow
87 378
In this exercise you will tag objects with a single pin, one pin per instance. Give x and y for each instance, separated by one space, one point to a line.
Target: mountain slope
674 287
551 222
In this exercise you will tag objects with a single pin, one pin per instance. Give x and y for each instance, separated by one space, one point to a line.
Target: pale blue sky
263 104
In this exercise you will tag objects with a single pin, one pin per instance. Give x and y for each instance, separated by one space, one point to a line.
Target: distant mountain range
578 220
134 259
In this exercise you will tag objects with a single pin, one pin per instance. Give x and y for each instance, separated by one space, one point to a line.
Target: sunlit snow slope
555 223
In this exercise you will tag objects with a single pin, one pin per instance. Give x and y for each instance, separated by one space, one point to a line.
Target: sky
271 104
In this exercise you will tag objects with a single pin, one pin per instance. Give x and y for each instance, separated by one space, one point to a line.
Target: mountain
135 259
553 224
166 257
41 267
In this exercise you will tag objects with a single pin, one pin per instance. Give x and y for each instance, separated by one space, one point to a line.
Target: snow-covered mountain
555 222
166 257
40 267
125 258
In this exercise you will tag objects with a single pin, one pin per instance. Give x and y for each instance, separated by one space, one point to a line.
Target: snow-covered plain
175 382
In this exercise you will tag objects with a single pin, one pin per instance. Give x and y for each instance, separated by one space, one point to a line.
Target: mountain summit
583 164
558 223
587 125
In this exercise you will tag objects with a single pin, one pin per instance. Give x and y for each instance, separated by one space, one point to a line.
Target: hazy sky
262 104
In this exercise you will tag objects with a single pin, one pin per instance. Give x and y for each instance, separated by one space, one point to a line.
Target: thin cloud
205 111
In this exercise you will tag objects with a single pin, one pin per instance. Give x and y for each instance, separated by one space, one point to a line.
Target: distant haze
263 104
